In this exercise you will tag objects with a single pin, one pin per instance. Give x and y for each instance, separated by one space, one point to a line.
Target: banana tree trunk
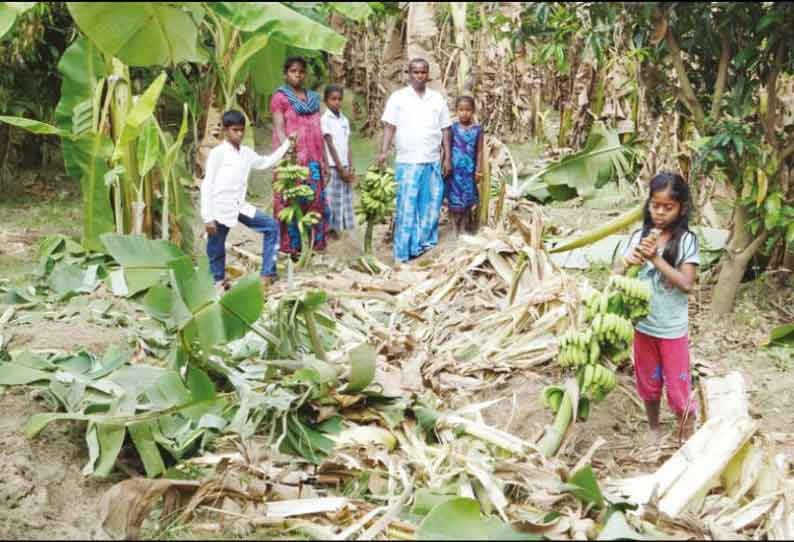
119 105
165 228
623 221
421 31
485 184
458 10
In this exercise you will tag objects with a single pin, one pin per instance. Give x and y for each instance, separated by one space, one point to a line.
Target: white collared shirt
339 130
226 181
419 122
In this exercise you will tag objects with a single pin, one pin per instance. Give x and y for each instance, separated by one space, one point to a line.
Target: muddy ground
44 495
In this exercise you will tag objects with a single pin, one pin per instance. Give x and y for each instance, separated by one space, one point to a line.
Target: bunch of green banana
596 379
612 328
578 348
377 194
288 174
597 303
632 288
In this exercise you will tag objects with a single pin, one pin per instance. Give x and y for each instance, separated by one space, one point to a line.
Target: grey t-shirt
669 314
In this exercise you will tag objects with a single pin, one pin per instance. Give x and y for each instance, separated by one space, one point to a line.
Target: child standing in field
461 185
223 202
336 133
661 342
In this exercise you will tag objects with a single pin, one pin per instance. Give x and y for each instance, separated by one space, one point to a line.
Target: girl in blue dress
461 185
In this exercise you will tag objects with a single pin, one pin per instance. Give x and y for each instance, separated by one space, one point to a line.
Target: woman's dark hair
233 118
679 191
330 89
295 60
465 99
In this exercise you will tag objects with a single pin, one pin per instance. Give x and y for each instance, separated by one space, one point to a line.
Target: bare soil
43 494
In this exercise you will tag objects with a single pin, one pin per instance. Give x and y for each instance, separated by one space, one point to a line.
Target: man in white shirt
417 119
223 202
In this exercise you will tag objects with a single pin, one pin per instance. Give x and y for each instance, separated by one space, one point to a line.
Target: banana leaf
266 67
9 12
280 22
579 173
780 336
139 114
81 68
358 11
460 519
584 486
248 49
90 154
35 126
143 262
148 147
140 34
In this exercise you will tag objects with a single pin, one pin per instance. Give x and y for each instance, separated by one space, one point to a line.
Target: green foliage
150 34
9 11
460 519
602 157
281 23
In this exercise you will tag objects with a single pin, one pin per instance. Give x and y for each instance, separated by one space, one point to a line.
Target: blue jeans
260 223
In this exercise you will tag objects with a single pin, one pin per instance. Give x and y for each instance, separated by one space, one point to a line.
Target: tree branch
770 120
691 101
722 75
750 250
786 152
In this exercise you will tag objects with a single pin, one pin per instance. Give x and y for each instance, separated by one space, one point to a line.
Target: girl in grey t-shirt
661 341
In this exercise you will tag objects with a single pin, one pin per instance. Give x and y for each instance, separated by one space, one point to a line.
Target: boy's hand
348 176
447 168
211 227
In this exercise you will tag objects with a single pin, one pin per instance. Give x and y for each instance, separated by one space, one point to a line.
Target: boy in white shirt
336 133
223 202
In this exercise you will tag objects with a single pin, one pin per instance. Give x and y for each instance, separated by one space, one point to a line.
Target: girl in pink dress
296 110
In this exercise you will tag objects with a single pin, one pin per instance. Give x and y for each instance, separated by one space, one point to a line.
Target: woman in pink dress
296 110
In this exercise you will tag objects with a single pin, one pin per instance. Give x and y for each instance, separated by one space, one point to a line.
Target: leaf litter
324 410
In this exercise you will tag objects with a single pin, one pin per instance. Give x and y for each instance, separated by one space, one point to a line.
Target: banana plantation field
596 341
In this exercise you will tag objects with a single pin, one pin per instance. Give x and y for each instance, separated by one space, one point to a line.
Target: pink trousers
659 362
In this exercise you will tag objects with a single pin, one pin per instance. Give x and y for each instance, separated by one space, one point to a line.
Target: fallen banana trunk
745 480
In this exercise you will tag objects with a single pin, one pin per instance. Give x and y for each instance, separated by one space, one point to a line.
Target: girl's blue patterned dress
461 186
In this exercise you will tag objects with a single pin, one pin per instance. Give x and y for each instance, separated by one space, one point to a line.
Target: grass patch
50 216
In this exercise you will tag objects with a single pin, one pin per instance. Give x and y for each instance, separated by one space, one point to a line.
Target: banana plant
579 173
9 11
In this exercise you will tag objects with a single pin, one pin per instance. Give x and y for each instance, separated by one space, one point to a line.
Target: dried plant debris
323 411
